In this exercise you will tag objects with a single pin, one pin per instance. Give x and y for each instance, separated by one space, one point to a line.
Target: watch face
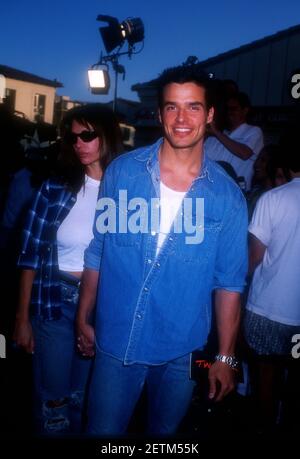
229 360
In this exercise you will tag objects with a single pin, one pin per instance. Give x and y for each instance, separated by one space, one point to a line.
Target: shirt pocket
128 227
200 246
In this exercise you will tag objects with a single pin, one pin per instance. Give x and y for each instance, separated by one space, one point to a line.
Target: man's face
184 115
235 113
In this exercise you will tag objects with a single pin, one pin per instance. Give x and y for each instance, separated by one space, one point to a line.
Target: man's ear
210 115
159 115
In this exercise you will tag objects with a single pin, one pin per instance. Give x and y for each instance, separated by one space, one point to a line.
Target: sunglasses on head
85 136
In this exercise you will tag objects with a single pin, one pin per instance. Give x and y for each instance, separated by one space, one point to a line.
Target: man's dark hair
276 160
185 74
290 145
242 98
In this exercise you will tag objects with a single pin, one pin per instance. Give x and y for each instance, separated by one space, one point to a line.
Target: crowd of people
112 301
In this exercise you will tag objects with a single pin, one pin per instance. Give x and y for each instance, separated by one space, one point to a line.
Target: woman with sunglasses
57 231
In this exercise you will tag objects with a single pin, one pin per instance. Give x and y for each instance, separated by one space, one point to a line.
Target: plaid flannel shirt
51 205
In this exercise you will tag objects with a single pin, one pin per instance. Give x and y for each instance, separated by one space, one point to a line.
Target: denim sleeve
93 253
34 226
232 255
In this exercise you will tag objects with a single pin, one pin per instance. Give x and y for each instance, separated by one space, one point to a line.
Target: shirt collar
150 156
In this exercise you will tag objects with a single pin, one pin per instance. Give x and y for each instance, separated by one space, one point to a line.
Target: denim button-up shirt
152 309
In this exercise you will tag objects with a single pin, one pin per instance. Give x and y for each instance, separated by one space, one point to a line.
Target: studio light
132 29
111 35
115 34
99 81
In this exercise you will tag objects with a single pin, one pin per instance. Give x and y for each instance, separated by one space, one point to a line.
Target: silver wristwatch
229 359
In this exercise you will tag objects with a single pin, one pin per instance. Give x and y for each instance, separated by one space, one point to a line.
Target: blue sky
60 38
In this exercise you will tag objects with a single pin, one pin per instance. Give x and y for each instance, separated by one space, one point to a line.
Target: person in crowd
165 272
272 315
229 170
39 165
269 171
240 143
57 230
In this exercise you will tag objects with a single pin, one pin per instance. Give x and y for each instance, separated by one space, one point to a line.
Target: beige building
28 95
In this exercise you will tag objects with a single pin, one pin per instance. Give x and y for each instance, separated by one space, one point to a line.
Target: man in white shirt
272 316
241 143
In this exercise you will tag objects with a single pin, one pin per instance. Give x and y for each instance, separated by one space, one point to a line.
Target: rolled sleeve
261 222
32 233
232 255
93 253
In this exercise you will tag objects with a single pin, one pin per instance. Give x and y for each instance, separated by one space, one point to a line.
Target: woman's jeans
60 373
116 388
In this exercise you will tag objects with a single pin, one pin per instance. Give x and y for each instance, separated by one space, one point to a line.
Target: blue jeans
60 373
115 389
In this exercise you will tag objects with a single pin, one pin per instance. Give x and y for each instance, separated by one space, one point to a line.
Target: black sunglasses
85 136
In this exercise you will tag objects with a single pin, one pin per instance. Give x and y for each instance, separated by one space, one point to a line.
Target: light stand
113 36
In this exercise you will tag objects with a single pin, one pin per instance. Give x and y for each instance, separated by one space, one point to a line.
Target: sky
60 38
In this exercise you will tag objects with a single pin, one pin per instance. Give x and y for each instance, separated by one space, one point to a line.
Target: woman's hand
85 339
23 335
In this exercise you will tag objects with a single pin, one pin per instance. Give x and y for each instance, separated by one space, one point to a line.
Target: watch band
229 360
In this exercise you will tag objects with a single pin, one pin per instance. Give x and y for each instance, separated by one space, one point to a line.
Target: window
10 99
39 107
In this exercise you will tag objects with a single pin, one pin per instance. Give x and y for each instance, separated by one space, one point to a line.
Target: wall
25 93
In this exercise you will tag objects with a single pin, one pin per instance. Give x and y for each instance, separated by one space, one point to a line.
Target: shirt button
170 238
139 316
149 261
146 289
153 233
158 264
48 248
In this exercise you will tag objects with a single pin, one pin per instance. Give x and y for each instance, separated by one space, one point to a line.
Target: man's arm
238 149
221 375
87 299
256 252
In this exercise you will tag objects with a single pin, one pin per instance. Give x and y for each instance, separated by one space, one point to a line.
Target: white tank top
170 202
76 231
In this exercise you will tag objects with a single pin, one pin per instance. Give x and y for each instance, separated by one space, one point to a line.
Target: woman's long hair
102 119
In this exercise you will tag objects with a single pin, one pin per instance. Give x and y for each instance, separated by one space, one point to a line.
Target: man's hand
85 339
221 380
84 330
23 335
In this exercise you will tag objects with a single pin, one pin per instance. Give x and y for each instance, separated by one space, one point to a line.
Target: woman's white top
76 231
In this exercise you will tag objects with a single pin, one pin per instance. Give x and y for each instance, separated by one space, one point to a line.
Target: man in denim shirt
157 277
